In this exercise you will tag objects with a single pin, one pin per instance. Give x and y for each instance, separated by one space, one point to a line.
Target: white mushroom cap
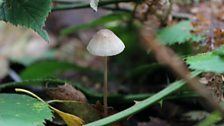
105 43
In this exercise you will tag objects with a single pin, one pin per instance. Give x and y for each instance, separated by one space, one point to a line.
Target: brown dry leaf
153 9
66 92
209 22
218 37
99 107
214 83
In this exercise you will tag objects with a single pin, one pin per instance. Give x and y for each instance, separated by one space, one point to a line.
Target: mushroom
105 43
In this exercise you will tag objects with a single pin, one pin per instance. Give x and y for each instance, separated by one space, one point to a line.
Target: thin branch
167 57
66 1
115 9
86 5
180 15
134 10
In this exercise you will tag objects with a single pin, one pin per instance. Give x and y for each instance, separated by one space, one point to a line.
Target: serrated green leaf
206 62
22 110
178 33
27 13
70 120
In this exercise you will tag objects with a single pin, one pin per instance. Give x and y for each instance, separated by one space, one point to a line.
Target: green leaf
178 33
28 13
47 68
22 110
206 62
94 4
219 51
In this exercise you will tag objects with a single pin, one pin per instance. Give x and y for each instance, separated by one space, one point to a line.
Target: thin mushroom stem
101 45
105 88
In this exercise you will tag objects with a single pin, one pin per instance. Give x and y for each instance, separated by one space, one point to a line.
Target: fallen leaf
214 84
69 119
66 92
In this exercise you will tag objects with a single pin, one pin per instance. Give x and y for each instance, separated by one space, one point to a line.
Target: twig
70 1
86 5
134 11
180 15
14 75
166 56
115 9
66 2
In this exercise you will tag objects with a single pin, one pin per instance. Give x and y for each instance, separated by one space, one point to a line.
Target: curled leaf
94 4
69 119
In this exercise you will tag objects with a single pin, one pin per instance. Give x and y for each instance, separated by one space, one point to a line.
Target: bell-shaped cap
105 43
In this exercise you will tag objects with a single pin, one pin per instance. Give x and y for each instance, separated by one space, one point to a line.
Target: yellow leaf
69 119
